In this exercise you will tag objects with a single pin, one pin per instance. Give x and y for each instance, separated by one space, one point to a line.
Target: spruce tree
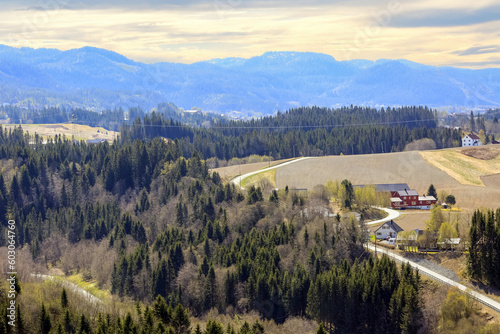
432 192
64 298
321 329
213 327
180 320
45 324
197 330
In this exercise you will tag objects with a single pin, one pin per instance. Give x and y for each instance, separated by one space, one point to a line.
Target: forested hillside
307 131
149 223
109 119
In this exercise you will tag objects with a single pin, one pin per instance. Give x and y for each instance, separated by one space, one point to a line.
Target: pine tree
432 192
180 320
85 325
68 327
213 327
210 289
472 123
197 330
321 329
162 310
64 298
20 320
45 324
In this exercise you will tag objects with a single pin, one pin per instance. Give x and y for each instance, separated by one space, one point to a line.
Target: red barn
409 199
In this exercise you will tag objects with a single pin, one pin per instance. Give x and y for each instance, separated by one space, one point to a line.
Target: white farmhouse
471 140
388 230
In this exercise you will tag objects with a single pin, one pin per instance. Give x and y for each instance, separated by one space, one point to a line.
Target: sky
434 32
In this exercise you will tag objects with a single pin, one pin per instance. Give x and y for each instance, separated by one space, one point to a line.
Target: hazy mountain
97 78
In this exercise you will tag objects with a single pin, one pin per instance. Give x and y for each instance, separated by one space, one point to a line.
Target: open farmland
81 132
403 167
466 165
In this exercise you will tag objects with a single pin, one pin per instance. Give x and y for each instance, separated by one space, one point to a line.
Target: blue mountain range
99 79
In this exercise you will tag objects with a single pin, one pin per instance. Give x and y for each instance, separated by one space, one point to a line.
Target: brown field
81 132
230 172
403 167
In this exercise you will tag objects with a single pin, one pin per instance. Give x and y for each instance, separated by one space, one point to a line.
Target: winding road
237 180
485 300
392 214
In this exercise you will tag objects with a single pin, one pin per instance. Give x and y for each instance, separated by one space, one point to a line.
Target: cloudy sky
436 32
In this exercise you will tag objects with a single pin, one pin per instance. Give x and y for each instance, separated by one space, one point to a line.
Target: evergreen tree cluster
483 258
303 131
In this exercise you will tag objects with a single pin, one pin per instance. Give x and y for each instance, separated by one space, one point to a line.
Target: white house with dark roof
388 230
471 140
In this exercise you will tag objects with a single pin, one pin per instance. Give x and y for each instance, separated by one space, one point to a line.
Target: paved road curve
393 214
494 305
237 180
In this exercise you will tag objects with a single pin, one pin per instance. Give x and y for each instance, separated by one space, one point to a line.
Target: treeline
483 259
303 131
108 119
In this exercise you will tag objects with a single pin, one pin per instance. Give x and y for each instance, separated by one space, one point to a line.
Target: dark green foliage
21 327
84 327
254 195
197 330
432 192
180 320
45 324
64 298
321 329
483 258
450 199
347 130
162 311
214 327
371 296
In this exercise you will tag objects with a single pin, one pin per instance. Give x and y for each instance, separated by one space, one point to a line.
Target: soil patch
482 153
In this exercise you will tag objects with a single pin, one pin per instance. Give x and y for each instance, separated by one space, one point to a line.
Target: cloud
180 4
477 50
441 17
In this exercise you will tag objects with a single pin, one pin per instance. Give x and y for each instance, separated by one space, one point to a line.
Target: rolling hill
98 79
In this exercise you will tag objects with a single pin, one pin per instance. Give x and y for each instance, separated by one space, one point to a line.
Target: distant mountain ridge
98 79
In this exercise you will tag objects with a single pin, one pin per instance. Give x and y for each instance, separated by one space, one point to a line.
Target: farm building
95 141
388 230
389 187
471 140
409 199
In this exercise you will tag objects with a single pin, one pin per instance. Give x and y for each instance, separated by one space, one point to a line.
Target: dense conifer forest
308 131
152 225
